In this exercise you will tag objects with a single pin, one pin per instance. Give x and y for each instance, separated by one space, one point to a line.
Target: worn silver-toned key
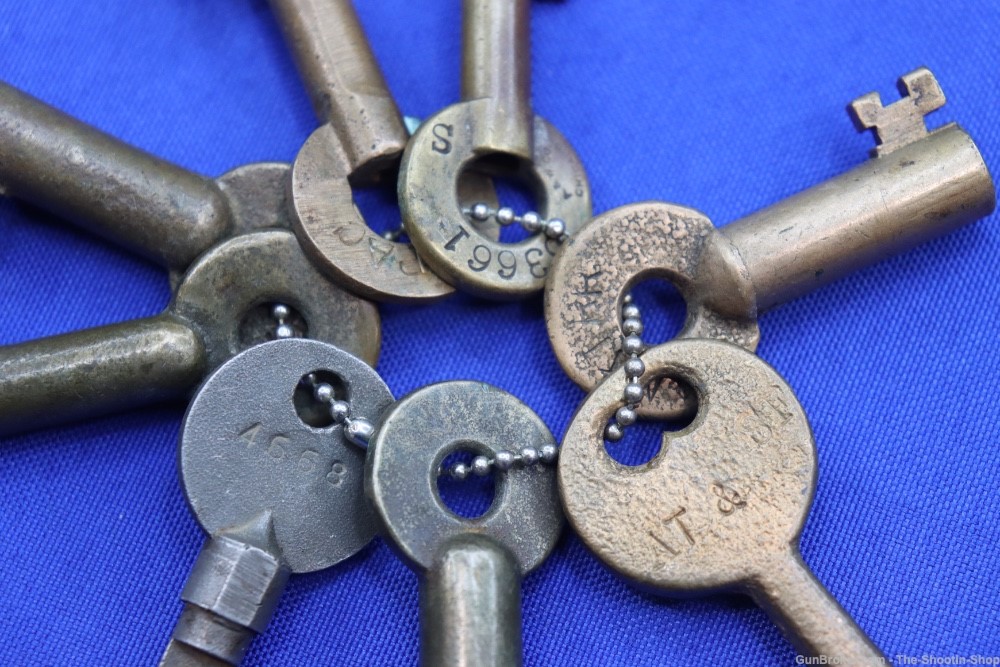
277 491
918 186
493 125
722 505
361 142
236 295
470 569
141 202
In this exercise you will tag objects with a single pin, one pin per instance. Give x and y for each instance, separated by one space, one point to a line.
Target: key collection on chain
295 453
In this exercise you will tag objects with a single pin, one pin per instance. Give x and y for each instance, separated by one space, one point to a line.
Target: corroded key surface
222 306
275 494
495 121
470 569
139 201
721 506
361 142
919 186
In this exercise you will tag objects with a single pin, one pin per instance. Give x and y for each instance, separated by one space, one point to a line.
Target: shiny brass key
918 186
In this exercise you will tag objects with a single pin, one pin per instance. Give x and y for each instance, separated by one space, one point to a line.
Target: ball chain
357 430
633 346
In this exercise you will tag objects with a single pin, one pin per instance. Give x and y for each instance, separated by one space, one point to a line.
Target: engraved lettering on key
537 268
674 519
730 500
380 251
463 233
350 234
643 521
442 134
250 434
338 471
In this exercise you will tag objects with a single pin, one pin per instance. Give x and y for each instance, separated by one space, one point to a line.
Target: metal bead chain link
504 460
357 430
280 312
633 346
532 222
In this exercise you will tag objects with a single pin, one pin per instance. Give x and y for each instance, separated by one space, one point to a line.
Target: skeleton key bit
495 120
220 308
470 569
139 201
721 507
918 187
275 494
361 141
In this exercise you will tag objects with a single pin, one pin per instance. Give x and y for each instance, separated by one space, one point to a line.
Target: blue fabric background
725 107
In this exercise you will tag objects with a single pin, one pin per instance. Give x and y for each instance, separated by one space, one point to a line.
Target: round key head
723 496
615 251
229 295
339 241
439 152
248 447
419 432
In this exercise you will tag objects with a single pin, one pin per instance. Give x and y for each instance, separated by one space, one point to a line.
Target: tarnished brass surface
598 267
721 506
335 236
494 122
470 569
360 142
132 198
211 318
915 192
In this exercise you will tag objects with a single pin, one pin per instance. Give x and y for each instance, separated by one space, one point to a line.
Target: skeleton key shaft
98 371
913 190
496 66
808 615
214 315
475 583
345 83
883 207
146 204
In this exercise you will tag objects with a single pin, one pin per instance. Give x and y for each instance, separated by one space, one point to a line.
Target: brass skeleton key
360 143
721 507
918 186
495 128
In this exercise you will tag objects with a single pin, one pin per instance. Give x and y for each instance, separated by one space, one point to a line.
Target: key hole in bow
310 409
260 324
662 310
644 439
516 188
469 498
378 206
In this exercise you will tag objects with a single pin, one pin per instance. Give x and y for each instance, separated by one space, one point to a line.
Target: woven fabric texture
724 107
